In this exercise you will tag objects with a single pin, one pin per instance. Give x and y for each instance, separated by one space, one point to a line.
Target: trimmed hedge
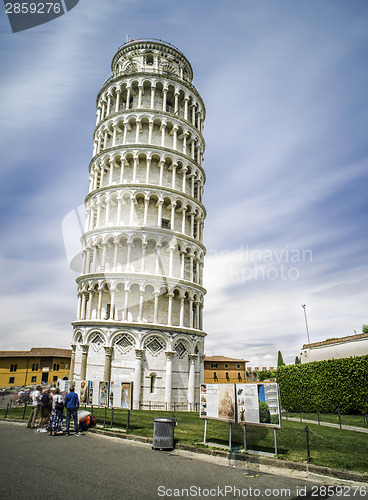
328 386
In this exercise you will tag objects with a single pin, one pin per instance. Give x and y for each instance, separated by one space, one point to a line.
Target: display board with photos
121 395
115 394
253 404
258 404
84 389
217 401
64 386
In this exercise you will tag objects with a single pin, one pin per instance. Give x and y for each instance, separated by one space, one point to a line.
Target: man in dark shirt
71 403
46 406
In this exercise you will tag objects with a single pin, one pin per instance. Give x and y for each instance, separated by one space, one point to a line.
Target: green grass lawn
328 446
354 420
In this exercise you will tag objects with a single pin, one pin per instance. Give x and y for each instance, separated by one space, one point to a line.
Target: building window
152 383
227 376
226 365
213 365
108 311
11 380
56 367
239 376
149 59
165 224
238 366
54 378
35 367
214 376
33 379
13 368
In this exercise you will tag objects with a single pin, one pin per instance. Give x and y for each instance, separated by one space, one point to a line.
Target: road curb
256 460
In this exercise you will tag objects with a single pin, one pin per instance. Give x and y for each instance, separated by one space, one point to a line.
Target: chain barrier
335 442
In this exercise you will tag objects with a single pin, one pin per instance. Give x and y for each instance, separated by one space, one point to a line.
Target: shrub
264 413
331 385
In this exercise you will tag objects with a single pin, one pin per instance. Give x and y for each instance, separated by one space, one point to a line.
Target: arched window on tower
214 376
152 383
149 59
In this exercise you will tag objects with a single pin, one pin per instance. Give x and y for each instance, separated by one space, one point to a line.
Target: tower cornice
149 148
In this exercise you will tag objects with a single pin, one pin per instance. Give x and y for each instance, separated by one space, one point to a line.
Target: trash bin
163 433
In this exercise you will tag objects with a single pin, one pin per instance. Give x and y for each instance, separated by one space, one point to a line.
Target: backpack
59 405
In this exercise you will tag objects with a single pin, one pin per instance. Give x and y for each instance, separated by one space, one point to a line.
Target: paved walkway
95 466
330 424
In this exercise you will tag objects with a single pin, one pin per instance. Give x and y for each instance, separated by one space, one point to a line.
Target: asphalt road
36 466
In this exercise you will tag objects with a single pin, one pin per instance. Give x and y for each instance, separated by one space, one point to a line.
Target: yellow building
221 370
40 364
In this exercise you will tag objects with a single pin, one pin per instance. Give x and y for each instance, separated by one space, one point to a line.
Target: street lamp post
306 323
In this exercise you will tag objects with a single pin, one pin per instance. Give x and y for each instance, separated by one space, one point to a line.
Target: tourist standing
72 404
46 406
36 403
57 414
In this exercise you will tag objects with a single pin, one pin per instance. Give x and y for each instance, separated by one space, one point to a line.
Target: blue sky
285 87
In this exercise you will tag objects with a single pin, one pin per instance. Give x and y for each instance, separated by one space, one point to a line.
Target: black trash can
163 433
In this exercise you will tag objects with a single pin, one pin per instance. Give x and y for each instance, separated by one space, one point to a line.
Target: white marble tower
140 294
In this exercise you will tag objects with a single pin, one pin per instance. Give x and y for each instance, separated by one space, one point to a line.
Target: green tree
280 359
264 413
275 419
365 329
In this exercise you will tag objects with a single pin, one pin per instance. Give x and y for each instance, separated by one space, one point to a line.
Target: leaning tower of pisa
140 293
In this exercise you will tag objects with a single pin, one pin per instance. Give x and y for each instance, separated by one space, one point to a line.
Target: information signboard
254 403
218 402
258 404
121 395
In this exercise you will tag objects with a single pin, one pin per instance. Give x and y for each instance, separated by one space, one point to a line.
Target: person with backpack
86 423
56 420
71 403
46 407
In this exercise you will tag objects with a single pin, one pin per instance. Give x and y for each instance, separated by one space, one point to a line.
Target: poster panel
83 394
94 400
126 395
258 404
218 402
81 388
103 394
84 389
64 386
111 394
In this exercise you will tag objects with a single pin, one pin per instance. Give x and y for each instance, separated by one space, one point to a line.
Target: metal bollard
128 422
308 447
